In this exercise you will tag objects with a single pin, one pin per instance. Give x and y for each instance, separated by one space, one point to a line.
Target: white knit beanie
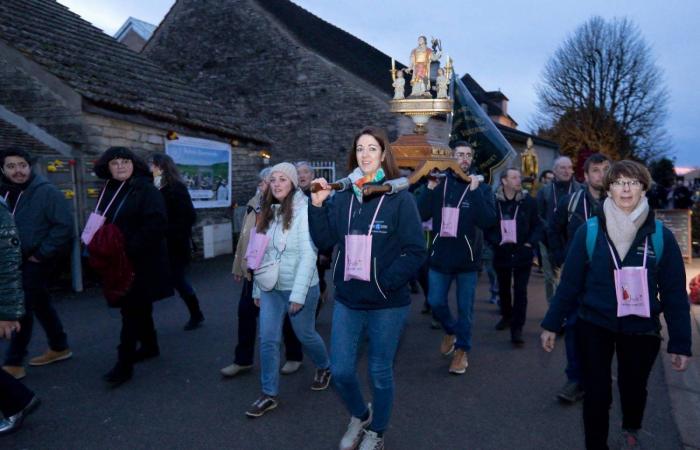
289 170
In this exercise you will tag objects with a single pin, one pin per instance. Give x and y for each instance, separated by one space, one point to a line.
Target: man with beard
572 212
45 223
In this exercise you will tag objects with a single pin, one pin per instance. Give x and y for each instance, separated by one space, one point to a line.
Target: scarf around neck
622 227
359 179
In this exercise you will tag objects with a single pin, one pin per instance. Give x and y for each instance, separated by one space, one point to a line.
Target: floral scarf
359 179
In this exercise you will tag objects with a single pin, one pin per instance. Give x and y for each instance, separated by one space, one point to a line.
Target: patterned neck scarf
359 180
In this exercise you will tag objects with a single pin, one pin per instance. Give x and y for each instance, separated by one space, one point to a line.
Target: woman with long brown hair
380 248
285 282
181 219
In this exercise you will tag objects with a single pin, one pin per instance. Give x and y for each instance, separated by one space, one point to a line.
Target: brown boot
447 346
459 362
50 357
16 371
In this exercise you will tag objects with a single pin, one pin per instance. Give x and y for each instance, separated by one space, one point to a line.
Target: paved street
179 401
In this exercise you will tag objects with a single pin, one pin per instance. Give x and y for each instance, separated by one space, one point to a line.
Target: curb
684 388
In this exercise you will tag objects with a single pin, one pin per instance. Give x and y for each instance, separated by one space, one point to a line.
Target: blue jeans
573 365
383 328
466 287
274 306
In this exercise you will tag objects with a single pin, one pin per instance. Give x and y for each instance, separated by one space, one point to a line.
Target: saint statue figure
421 57
399 83
441 84
529 165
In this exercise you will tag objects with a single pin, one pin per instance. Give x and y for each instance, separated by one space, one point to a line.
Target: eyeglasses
464 155
619 184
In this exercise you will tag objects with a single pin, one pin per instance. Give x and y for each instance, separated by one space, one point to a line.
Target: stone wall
309 106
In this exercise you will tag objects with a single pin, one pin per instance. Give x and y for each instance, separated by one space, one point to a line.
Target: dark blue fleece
398 248
593 283
476 213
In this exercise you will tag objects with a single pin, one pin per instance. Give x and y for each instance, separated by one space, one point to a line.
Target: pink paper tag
509 233
450 222
358 257
257 244
94 223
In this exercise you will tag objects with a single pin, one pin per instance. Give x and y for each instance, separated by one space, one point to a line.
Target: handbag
267 274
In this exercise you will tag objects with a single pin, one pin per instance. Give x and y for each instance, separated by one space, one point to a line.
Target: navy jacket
44 219
594 284
476 213
398 248
563 224
528 230
548 200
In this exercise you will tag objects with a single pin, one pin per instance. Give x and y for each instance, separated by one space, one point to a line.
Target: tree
663 172
602 90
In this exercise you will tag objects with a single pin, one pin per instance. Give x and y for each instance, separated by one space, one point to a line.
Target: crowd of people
600 246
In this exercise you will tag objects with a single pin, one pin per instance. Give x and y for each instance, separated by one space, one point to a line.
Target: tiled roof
334 44
105 72
12 137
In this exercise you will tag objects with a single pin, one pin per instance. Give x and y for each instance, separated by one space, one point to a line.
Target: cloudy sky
503 44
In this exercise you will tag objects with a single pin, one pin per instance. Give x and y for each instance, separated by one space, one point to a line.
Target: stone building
73 91
308 84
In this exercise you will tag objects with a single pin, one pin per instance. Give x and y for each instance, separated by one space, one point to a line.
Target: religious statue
419 67
399 83
441 84
528 160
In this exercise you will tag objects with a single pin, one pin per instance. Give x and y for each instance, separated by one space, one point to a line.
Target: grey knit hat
289 170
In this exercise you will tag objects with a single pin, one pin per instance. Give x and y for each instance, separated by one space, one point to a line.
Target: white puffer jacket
297 255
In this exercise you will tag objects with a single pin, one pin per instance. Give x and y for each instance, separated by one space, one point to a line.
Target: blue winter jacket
594 284
398 248
477 212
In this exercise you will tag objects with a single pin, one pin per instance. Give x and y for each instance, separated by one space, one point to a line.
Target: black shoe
144 353
570 393
121 373
322 379
426 309
194 322
263 404
503 324
516 337
413 284
14 423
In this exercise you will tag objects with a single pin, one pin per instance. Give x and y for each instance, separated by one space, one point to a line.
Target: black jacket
564 223
476 213
43 216
528 230
139 212
398 249
181 219
12 298
548 200
592 283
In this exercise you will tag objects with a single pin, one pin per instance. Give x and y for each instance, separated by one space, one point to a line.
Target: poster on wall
206 169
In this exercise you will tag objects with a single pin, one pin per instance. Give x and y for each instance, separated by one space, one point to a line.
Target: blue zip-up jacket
593 283
563 224
398 249
476 213
528 230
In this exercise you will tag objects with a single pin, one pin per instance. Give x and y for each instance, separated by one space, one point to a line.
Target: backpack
657 239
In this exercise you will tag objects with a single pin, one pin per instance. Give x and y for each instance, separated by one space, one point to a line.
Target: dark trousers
14 396
183 287
37 302
137 327
513 305
247 326
635 357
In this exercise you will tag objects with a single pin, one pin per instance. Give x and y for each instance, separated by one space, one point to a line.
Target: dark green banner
471 124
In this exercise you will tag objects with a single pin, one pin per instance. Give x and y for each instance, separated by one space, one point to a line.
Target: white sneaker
372 441
290 367
234 369
355 430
